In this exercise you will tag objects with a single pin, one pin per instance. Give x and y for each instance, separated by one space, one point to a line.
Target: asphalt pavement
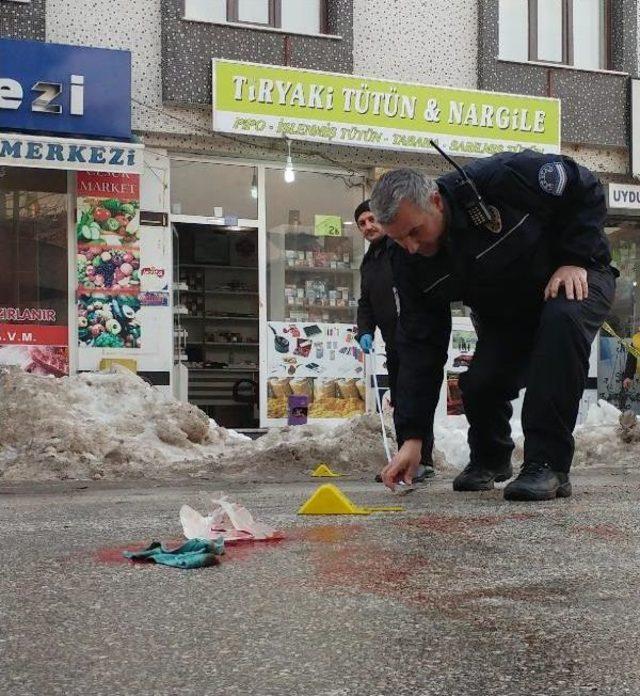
460 594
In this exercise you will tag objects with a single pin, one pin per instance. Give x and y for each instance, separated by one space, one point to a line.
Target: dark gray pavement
460 594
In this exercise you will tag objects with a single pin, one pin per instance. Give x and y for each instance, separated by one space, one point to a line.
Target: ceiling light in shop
289 172
254 185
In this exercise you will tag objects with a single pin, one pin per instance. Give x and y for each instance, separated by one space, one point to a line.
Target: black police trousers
547 352
393 369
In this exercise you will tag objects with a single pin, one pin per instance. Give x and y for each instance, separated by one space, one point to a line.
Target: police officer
532 262
377 307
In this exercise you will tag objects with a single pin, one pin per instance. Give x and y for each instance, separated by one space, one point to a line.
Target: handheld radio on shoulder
468 195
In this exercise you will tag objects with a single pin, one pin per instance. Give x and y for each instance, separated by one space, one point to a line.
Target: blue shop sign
71 90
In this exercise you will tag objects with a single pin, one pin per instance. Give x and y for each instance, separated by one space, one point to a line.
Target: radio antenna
453 163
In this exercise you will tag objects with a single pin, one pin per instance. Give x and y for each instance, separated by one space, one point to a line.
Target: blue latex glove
366 342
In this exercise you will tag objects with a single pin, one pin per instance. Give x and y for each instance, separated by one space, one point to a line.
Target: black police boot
477 477
538 482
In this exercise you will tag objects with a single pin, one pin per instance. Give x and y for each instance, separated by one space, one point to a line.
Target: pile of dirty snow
599 439
95 425
353 447
115 425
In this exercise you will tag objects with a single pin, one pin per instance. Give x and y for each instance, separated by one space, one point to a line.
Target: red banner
33 334
125 187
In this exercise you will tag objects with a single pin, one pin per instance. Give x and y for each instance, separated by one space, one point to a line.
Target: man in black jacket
532 262
377 307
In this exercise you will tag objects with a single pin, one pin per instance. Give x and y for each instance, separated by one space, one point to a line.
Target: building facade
249 262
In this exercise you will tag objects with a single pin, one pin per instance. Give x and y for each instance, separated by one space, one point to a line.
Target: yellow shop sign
273 101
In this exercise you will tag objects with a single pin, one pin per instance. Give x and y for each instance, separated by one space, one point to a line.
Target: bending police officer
532 262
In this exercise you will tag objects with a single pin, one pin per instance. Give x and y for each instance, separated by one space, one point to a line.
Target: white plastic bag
228 520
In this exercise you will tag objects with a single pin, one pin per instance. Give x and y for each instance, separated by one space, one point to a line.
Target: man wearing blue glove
377 307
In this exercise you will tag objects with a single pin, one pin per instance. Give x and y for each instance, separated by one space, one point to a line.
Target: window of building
208 189
308 17
34 292
567 32
613 364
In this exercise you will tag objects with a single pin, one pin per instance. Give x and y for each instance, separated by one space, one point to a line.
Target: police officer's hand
574 279
404 465
627 382
366 342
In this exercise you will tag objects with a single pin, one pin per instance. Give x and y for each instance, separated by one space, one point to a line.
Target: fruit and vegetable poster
108 260
323 362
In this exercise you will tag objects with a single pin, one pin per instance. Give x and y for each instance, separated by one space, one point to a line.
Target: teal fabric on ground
195 553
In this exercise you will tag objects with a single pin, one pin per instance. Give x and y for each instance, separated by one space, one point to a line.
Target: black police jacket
377 305
548 212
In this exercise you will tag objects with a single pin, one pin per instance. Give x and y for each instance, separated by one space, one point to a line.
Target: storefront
623 230
76 282
266 252
230 281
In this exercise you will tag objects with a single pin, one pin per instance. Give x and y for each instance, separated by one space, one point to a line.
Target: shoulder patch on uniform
495 225
552 178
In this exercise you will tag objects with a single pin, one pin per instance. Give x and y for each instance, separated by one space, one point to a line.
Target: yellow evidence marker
322 470
328 499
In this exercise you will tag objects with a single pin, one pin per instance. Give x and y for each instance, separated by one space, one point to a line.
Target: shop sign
271 101
31 339
64 153
33 334
75 90
154 299
624 196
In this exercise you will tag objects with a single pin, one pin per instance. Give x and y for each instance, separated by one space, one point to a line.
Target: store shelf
231 292
218 266
231 319
239 344
219 318
319 269
225 370
320 307
221 292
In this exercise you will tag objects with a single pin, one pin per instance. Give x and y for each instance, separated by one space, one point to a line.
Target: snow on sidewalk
114 425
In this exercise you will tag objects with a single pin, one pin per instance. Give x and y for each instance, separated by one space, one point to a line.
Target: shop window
34 293
314 250
253 12
208 189
307 17
624 237
567 32
206 10
314 247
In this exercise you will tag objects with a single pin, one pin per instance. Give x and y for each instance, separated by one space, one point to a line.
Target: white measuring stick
372 365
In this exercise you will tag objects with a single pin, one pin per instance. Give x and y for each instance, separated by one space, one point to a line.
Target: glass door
216 298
